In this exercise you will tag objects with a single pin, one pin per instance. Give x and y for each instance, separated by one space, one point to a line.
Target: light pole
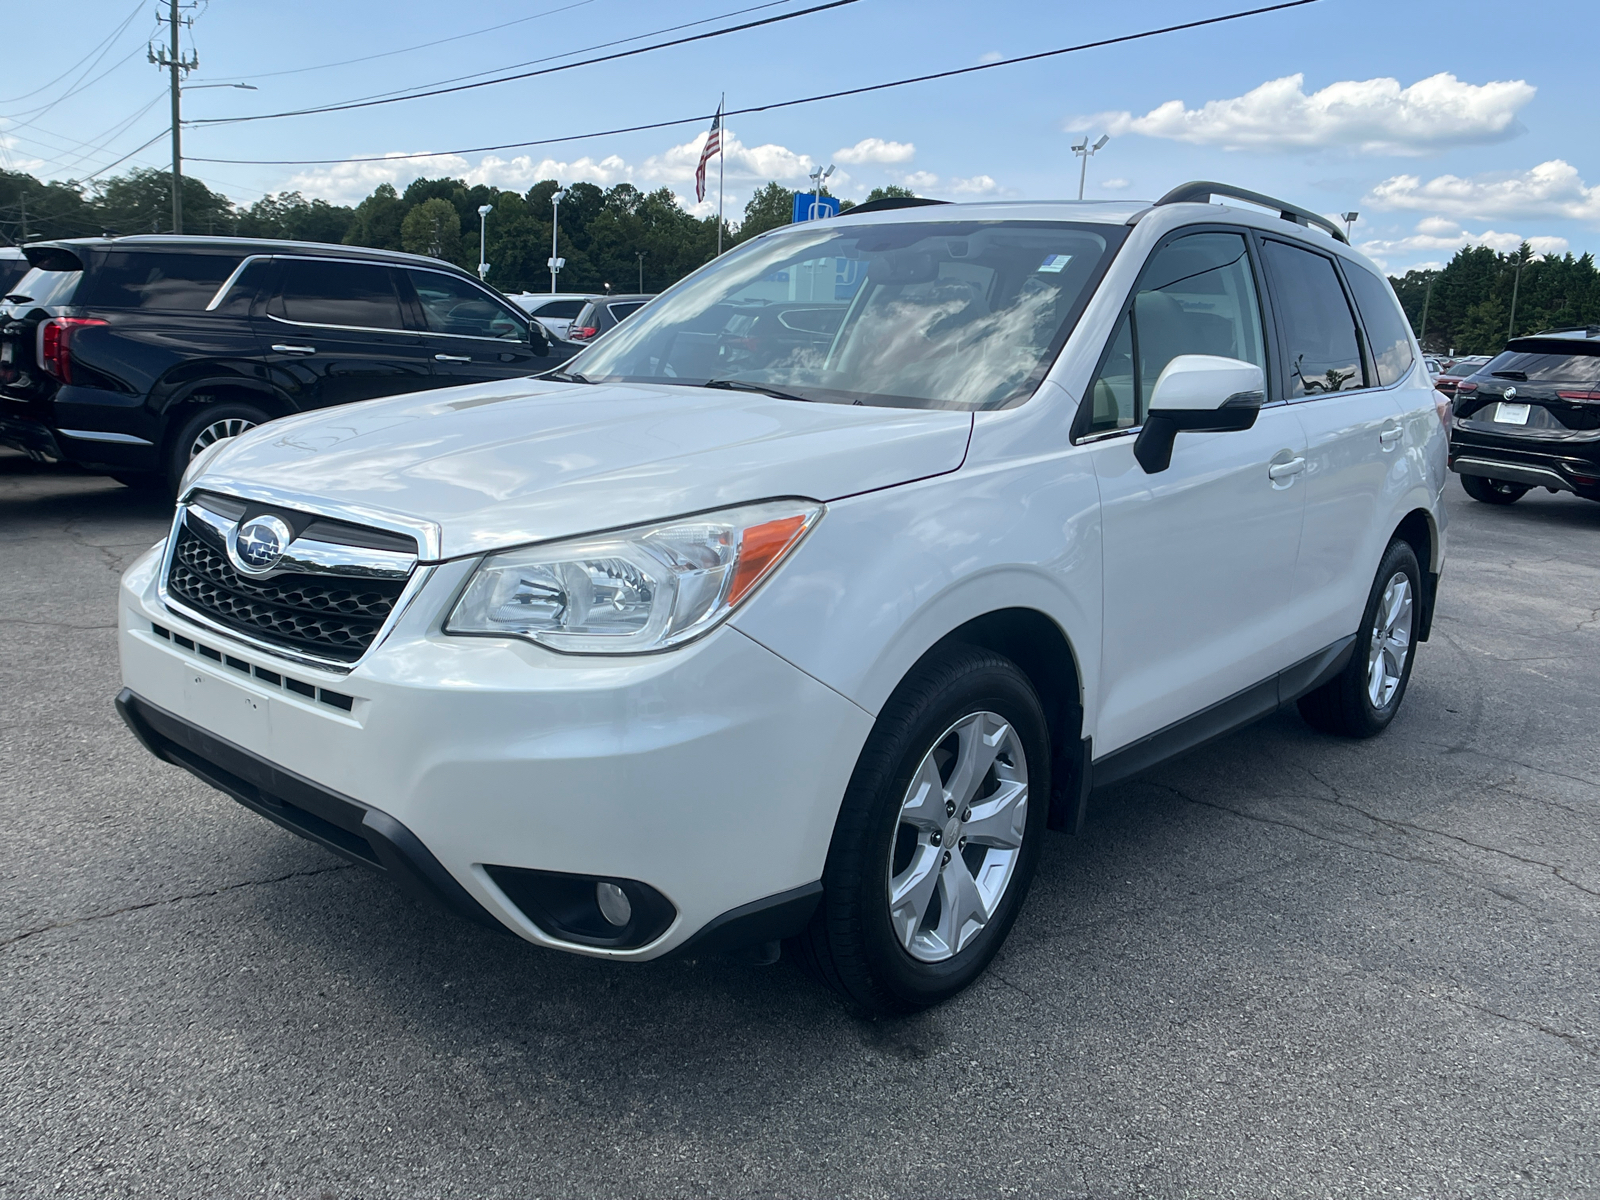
483 239
639 254
556 263
1349 219
817 178
1516 286
1085 151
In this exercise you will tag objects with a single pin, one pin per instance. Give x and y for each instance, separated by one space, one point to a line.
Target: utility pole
1427 296
1516 285
171 58
22 199
639 254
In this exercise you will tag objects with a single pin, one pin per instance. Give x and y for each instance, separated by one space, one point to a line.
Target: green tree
432 228
291 215
30 210
890 191
141 202
377 220
770 207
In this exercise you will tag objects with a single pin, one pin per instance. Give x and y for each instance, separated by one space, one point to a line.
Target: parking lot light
1085 151
483 239
556 262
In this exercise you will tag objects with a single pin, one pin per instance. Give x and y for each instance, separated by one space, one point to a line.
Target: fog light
614 903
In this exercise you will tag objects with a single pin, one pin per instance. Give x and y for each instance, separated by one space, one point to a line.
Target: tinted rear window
1548 368
337 293
11 270
560 309
619 311
47 287
174 282
1319 332
1387 329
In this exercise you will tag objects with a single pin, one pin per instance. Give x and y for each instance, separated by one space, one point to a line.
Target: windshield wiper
1522 375
742 385
567 376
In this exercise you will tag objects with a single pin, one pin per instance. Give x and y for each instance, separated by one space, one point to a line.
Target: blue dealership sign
809 207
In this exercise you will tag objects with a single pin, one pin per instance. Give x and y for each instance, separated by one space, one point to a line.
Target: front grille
331 617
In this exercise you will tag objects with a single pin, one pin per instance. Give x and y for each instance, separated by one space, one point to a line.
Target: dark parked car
13 266
130 355
1531 418
1447 380
603 314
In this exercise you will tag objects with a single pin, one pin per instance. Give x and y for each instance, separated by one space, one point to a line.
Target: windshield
1547 368
964 315
45 288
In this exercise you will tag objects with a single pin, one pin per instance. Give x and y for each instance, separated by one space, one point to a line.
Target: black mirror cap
539 338
1153 447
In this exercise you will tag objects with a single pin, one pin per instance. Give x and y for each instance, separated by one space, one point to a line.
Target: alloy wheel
226 428
959 836
1390 642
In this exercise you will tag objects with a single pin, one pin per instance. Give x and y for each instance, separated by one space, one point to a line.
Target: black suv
1530 417
130 355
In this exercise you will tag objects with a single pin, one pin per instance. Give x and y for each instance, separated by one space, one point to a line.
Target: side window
174 282
455 306
1197 296
560 310
1387 328
359 295
1319 332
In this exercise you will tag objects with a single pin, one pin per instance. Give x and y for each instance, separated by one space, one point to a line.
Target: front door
1198 559
1353 435
471 336
334 332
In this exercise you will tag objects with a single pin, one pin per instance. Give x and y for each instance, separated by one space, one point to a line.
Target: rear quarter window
1387 329
47 288
619 311
169 282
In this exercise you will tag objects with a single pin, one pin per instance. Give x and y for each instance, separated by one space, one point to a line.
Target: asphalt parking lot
1286 965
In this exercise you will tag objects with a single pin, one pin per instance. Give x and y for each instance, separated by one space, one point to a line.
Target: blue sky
1441 123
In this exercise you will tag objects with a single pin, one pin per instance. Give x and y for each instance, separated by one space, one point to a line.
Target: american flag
713 147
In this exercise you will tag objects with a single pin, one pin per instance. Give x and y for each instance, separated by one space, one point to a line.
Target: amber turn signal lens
759 551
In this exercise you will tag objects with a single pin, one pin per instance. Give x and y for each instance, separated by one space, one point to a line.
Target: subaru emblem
259 543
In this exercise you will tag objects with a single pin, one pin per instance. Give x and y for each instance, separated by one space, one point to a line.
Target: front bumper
712 774
1563 464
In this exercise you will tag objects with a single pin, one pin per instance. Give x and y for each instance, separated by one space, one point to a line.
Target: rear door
335 332
471 335
1353 438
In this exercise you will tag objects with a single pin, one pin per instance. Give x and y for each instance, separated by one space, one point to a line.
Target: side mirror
539 338
1197 393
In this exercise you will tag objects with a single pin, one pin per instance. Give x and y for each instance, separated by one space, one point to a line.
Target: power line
98 51
464 87
421 46
760 108
402 92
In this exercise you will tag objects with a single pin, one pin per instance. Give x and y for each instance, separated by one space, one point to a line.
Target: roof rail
1200 192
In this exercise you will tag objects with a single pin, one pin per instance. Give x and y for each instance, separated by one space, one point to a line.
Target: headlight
636 590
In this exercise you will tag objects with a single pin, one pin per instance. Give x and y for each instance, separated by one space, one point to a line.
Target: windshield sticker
1055 263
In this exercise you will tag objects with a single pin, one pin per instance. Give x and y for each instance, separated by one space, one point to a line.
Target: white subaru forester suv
805 603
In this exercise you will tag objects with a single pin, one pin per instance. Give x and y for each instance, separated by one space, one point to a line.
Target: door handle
1284 470
452 358
1390 437
281 349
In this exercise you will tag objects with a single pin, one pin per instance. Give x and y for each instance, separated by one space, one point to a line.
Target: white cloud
920 181
876 150
1115 185
977 185
1373 116
990 56
1551 189
1438 233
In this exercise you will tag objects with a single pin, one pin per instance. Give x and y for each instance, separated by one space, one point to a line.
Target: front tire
1362 699
1492 491
937 838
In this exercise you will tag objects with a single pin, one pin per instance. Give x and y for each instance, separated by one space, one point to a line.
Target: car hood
501 464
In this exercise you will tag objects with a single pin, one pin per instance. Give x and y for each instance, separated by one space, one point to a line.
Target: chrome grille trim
408 594
427 535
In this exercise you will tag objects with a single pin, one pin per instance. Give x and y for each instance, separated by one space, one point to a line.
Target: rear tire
1363 698
208 423
1492 491
937 837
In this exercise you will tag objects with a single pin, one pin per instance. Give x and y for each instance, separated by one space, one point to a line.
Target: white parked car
803 605
554 310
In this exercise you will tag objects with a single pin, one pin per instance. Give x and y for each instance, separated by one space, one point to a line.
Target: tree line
618 238
624 239
1466 307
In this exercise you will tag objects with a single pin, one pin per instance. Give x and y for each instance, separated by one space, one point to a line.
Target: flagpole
721 153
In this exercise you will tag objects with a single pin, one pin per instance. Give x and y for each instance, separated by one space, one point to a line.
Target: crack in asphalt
223 890
52 624
1394 823
1412 860
1573 1040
